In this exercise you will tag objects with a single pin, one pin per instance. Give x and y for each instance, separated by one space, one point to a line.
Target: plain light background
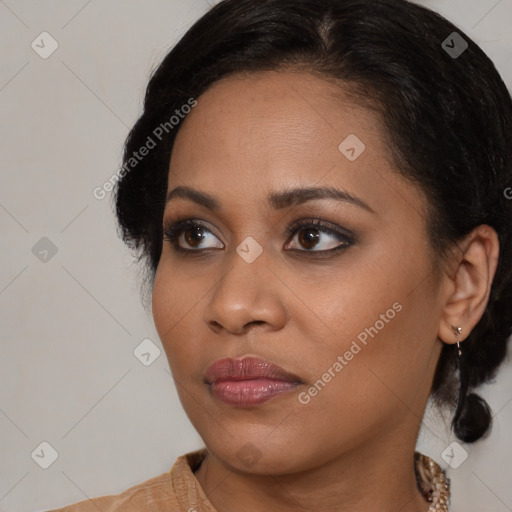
70 324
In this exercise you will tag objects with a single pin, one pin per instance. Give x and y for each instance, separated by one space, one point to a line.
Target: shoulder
157 494
152 495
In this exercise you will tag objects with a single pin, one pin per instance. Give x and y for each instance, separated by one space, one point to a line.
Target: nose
248 294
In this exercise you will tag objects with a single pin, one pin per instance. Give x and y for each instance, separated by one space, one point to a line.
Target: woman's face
357 327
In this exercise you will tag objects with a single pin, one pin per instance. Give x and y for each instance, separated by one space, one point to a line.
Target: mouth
249 381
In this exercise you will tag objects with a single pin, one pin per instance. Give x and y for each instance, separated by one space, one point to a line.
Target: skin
351 447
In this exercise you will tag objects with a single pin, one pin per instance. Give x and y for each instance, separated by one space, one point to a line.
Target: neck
377 475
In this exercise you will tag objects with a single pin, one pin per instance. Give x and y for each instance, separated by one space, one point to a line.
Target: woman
321 207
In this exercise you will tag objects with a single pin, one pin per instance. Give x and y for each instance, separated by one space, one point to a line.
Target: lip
248 381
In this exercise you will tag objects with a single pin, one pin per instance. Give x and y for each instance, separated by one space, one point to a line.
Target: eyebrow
277 200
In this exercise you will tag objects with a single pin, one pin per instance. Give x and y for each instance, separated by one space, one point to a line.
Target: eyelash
173 229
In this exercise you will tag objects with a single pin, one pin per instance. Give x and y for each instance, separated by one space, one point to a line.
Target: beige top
178 490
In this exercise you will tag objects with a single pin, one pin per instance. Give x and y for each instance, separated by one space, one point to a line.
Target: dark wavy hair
448 119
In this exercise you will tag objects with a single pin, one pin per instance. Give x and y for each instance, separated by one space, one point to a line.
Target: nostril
255 322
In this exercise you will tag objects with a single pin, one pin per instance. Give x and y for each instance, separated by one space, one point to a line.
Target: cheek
373 376
178 301
176 295
162 302
382 321
170 304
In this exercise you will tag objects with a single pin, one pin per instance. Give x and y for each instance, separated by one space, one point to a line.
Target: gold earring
457 331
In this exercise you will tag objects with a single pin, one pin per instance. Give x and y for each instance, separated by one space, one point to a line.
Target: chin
257 454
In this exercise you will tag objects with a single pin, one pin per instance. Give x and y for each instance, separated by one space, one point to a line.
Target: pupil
309 238
196 237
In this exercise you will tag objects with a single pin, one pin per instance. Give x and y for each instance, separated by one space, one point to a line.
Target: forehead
252 133
276 114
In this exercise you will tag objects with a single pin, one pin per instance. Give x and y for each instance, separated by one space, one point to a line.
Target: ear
468 283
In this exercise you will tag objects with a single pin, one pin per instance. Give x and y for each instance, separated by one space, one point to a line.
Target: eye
191 233
315 235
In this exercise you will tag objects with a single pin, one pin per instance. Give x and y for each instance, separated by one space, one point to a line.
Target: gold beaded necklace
432 483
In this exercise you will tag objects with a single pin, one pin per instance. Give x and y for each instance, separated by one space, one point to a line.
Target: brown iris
308 238
194 236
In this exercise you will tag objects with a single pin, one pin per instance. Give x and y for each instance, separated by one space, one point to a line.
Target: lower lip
245 393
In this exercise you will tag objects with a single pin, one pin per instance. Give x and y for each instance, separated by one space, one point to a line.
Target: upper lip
247 368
